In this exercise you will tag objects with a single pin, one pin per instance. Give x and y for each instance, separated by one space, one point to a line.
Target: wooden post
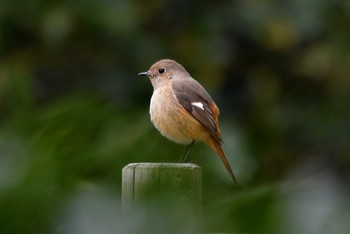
157 182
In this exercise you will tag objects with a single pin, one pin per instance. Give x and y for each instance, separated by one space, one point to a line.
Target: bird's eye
161 70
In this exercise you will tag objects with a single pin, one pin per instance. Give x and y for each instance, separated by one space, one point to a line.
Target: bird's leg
188 149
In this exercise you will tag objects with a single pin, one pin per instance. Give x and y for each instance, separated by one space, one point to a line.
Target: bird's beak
143 73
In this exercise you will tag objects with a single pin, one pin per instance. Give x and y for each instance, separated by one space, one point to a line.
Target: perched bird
182 110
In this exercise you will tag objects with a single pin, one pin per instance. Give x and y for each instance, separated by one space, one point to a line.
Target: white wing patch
198 104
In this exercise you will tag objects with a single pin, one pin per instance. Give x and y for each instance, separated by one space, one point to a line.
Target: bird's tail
217 148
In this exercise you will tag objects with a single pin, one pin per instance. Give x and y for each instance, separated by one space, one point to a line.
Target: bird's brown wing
196 100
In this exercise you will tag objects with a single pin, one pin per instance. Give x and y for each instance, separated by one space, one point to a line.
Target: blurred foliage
73 113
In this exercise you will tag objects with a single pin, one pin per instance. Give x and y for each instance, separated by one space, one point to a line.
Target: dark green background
73 113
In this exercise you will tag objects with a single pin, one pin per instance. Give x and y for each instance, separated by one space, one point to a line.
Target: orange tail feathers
217 148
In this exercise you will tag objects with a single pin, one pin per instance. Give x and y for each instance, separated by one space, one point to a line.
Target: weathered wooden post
143 182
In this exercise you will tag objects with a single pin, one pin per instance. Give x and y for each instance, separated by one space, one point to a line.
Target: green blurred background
73 113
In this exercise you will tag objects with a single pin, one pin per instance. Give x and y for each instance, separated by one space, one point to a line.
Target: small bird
182 110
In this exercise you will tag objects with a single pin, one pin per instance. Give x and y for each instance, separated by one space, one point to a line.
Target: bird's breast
172 120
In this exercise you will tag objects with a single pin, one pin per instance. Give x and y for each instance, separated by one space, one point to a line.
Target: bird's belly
172 120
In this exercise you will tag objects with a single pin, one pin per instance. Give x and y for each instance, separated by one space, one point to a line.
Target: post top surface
163 165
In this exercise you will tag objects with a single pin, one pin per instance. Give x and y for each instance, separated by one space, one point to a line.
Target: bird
182 110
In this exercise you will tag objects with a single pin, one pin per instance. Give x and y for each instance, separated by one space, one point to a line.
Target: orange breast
172 120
